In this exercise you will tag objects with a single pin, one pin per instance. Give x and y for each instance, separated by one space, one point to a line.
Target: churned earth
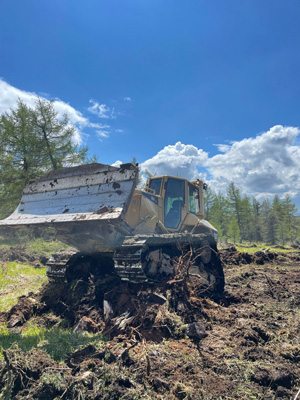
163 342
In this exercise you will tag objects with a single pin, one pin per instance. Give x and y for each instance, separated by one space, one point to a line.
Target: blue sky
144 75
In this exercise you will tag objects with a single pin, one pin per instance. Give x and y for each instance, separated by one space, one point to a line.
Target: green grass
41 246
262 247
56 342
17 280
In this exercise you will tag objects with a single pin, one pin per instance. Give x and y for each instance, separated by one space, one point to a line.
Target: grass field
17 280
57 342
253 248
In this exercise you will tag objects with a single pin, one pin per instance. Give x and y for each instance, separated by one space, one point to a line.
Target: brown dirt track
165 343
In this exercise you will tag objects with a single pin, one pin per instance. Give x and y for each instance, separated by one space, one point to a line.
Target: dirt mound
85 376
19 253
231 255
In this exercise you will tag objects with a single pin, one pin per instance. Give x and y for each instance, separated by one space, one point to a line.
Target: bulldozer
98 210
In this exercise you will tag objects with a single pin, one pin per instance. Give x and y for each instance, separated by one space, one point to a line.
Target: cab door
174 201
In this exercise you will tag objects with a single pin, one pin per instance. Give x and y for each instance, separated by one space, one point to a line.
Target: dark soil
18 253
166 342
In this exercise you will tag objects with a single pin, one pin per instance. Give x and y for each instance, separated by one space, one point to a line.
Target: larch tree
33 141
56 137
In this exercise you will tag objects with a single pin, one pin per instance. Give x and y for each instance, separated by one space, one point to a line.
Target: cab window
193 199
155 184
174 200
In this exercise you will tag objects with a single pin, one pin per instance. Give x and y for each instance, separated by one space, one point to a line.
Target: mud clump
232 256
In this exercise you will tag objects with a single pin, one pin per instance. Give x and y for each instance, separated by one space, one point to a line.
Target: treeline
242 218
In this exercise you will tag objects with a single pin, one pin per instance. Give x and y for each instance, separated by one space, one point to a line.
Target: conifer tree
234 231
33 142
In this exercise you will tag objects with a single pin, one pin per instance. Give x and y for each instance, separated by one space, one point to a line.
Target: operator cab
179 198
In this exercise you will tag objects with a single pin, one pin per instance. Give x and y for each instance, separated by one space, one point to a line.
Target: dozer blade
86 205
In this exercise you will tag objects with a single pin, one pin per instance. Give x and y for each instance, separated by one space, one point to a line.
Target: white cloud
103 134
98 126
9 96
102 110
117 163
223 148
127 99
177 160
262 166
268 163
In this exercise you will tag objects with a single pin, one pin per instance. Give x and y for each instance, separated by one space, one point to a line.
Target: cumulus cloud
101 110
9 96
261 166
127 99
268 163
177 160
117 163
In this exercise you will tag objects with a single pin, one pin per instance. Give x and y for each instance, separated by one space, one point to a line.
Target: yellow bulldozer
99 210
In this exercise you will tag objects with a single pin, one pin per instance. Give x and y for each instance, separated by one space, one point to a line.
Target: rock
196 330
